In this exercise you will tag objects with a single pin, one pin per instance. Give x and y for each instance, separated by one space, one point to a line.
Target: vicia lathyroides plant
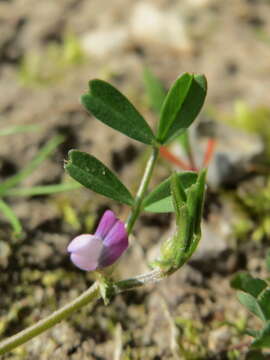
181 193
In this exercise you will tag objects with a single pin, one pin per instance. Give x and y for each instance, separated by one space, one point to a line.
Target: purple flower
92 252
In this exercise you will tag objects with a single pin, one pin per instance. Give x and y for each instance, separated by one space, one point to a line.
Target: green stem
91 294
135 212
45 324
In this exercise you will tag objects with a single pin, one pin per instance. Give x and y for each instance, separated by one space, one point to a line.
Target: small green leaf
154 90
11 217
263 339
245 282
94 175
264 302
251 303
160 199
111 107
43 189
18 129
42 155
184 108
172 105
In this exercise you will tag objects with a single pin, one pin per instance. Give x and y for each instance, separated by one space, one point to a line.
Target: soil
195 309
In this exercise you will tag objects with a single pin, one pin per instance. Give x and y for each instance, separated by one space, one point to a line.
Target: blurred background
49 50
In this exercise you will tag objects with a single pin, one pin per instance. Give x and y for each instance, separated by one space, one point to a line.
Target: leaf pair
94 175
254 294
179 109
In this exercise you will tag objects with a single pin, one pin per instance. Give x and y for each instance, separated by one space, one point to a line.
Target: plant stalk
89 295
135 212
45 324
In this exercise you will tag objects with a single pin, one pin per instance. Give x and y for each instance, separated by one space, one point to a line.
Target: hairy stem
45 324
89 295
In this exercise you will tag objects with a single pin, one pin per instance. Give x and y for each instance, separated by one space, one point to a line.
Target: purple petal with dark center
111 253
116 235
106 223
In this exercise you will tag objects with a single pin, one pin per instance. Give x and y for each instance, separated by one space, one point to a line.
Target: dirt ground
48 52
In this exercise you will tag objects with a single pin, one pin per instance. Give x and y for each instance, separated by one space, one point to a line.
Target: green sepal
106 288
179 196
196 195
173 251
200 195
188 206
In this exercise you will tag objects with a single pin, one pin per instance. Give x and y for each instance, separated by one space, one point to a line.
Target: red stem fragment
211 144
166 154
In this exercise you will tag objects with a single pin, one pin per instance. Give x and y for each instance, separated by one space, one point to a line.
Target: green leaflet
94 175
160 199
245 282
181 106
111 107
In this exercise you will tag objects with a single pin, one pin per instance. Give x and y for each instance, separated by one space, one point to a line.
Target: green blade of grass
38 159
17 129
155 91
43 190
11 217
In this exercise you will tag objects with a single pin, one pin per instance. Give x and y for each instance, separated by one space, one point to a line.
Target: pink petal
80 243
111 253
83 263
116 235
106 223
85 251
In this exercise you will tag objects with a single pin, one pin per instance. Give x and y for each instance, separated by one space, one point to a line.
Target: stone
103 42
219 339
151 25
215 236
234 153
